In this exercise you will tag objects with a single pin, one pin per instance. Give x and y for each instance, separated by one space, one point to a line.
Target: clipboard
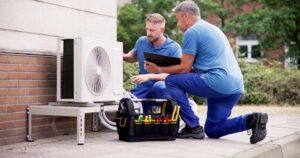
161 60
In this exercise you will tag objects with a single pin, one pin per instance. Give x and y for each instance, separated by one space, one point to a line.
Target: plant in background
275 23
129 70
270 85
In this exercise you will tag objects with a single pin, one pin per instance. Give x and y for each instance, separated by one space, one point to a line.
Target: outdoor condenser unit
89 70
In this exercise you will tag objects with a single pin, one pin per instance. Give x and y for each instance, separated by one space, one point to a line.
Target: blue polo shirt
169 48
214 58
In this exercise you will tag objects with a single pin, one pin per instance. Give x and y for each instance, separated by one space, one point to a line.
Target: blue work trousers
157 91
217 123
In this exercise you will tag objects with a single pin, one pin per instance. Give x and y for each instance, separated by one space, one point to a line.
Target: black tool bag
135 126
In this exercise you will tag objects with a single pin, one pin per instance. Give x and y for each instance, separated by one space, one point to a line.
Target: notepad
161 60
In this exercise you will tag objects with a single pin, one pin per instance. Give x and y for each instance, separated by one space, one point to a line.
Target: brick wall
29 80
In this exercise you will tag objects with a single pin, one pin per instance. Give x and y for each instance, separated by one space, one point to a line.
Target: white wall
122 2
32 26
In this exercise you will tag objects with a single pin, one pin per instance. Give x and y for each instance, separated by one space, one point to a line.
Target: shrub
255 98
263 85
129 70
274 85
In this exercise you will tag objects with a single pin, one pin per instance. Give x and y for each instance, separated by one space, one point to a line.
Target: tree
130 26
131 20
223 9
275 23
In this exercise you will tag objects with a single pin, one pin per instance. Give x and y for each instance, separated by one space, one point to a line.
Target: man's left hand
151 67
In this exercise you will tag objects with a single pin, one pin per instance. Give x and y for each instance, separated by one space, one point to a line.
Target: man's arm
184 67
146 77
130 57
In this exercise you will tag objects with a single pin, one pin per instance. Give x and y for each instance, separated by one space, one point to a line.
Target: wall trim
27 52
72 8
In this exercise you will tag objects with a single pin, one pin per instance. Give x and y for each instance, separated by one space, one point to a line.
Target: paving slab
283 140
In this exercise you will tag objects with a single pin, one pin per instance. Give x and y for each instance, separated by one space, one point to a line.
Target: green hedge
263 85
129 70
270 85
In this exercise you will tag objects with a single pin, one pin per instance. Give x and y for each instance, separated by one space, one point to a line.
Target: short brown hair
156 18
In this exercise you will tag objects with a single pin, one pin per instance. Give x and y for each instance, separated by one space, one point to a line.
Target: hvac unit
89 70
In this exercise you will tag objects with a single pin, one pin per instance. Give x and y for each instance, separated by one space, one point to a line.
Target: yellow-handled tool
147 119
175 113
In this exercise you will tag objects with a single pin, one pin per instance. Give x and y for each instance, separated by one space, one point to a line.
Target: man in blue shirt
216 76
155 42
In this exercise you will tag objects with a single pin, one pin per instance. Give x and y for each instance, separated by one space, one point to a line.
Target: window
248 48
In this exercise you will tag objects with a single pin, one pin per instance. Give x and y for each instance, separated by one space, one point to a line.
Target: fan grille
98 70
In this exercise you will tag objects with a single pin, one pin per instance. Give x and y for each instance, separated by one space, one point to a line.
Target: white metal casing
82 47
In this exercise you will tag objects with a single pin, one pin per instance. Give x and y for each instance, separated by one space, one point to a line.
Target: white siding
32 26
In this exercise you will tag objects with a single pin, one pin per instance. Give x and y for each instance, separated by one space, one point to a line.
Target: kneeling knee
211 132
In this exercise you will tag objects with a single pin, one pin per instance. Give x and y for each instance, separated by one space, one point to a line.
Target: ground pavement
283 140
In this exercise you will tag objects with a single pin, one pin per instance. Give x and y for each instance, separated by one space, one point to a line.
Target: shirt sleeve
136 47
189 44
178 51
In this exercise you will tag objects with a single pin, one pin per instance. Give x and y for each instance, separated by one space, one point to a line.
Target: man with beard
155 42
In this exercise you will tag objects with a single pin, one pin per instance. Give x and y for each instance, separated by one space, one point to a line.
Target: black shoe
257 123
188 132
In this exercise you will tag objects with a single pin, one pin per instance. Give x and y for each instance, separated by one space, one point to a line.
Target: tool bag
135 126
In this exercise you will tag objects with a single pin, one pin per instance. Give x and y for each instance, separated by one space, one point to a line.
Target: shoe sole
259 136
192 136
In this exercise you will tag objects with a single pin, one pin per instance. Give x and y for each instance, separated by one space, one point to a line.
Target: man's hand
138 79
151 67
130 57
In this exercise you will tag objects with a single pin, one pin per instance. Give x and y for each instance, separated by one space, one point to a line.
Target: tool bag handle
126 108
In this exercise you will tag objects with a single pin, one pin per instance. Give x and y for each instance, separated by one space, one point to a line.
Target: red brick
3 92
11 140
42 121
3 125
8 133
47 61
36 68
18 92
52 90
22 131
18 76
65 125
8 100
38 91
38 76
21 115
64 119
33 59
46 83
7 117
14 124
8 84
13 117
27 84
30 99
52 69
8 67
42 128
3 108
16 108
29 68
3 58
3 76
46 99
52 76
18 59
